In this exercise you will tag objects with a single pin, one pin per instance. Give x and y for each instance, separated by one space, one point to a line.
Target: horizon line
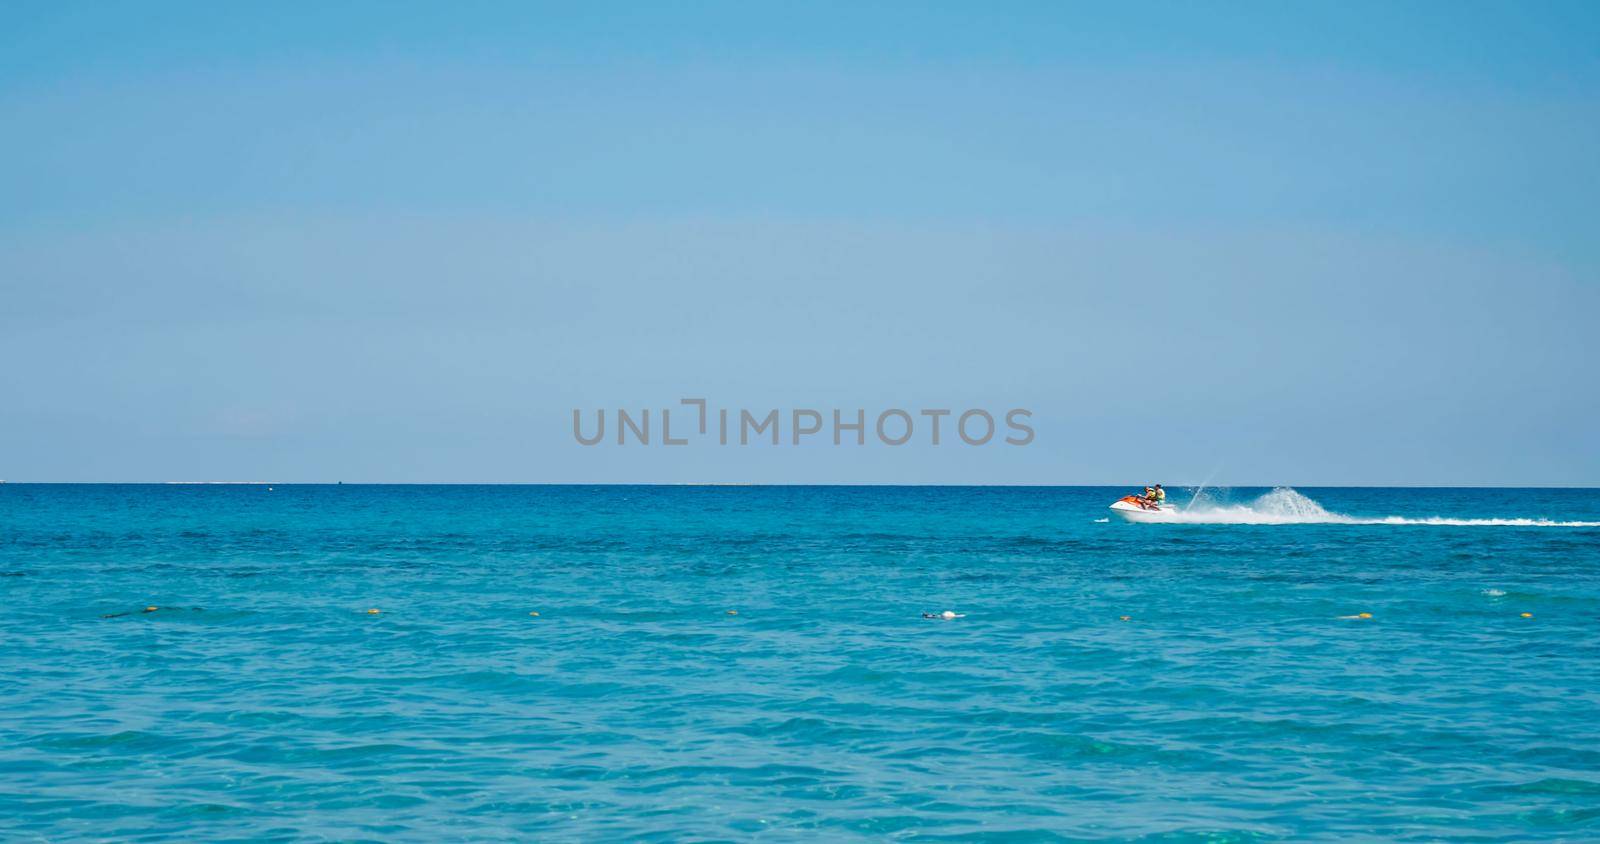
822 485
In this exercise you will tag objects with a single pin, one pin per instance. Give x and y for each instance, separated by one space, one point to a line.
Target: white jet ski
1133 509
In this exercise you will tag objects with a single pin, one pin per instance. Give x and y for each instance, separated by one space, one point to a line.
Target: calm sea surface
725 663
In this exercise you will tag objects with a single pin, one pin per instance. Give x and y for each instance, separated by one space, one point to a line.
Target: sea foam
1285 506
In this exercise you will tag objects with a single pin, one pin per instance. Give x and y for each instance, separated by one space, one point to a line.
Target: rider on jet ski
1154 497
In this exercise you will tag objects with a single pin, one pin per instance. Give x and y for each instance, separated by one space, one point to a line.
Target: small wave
1285 506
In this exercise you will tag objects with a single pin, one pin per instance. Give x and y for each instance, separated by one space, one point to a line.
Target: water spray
1202 487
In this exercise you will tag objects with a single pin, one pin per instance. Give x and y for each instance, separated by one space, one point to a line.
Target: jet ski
1135 509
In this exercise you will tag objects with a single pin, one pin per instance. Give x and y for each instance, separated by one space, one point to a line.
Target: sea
700 663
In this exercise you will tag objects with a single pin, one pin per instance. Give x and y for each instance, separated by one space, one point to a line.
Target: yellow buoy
1125 617
1527 615
151 609
534 614
1364 615
733 612
373 611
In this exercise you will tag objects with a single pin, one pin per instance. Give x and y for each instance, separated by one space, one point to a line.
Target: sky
1251 243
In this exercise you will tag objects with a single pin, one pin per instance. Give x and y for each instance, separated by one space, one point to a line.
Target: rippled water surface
718 663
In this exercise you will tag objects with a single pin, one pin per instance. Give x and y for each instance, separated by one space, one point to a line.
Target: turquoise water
1237 702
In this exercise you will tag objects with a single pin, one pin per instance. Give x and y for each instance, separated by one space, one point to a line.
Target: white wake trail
1284 506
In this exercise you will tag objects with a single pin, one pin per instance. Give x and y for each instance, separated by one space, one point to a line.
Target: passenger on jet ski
1153 498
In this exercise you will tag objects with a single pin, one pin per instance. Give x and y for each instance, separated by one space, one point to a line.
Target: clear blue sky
1303 243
